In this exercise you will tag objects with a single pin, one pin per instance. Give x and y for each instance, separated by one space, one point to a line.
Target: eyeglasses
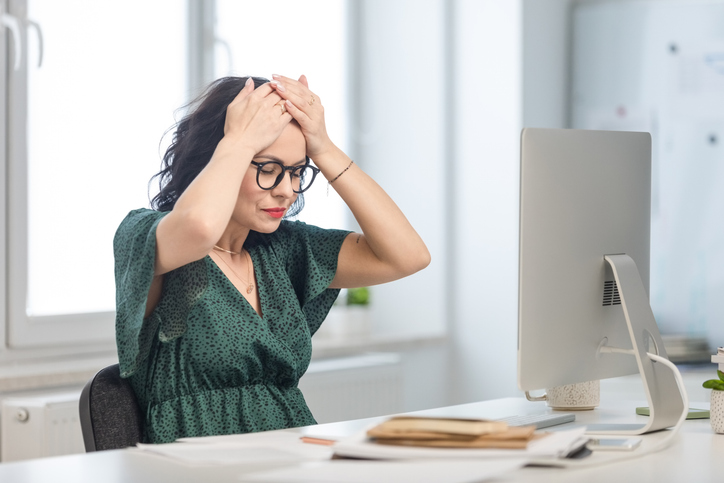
270 173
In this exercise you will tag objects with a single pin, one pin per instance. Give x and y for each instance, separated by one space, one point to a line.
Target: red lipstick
275 212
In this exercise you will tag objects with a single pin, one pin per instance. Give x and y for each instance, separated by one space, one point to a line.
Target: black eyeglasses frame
280 177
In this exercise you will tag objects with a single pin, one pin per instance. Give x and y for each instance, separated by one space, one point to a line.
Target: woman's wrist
230 147
328 150
331 161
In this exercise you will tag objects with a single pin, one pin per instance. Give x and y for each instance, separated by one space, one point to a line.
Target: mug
571 397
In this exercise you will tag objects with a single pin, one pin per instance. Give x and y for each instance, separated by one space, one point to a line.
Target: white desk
695 456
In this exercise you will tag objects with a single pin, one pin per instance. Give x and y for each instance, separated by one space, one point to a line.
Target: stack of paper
555 445
451 433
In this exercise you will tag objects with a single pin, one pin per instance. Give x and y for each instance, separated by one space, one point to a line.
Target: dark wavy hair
195 140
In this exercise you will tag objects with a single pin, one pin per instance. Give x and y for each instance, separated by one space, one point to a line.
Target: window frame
25 331
4 59
65 333
35 337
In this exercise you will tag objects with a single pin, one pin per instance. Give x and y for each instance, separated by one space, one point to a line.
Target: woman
217 295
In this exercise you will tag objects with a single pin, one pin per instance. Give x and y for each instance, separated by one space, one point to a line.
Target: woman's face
262 210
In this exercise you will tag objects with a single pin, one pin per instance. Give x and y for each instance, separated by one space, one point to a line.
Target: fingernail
275 76
278 85
249 80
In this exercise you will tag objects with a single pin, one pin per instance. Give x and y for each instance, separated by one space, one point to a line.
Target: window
97 85
85 122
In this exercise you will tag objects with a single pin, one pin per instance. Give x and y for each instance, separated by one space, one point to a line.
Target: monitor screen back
583 195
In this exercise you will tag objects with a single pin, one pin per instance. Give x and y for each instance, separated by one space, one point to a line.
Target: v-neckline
256 284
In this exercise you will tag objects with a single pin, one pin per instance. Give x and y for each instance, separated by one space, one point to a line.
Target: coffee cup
571 397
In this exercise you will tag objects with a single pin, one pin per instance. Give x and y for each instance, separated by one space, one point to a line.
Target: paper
556 445
341 471
276 437
272 448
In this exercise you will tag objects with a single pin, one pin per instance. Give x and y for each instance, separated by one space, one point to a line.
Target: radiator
40 425
354 387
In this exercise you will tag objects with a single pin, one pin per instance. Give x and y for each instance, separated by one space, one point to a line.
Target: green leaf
358 296
721 374
714 384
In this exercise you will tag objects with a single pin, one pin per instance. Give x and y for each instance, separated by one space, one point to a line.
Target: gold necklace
250 285
217 247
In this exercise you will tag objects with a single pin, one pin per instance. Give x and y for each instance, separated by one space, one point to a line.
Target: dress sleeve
311 262
134 249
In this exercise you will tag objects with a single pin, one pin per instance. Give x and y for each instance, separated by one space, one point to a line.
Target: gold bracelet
340 174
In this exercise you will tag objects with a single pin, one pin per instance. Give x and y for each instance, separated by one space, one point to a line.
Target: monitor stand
666 401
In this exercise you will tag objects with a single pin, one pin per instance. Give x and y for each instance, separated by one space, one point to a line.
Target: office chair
110 417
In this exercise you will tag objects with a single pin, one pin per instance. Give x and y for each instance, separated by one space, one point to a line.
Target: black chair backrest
109 414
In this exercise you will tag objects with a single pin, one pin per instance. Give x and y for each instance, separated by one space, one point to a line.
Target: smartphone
613 444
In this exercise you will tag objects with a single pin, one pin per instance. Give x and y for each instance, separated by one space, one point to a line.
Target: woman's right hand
256 117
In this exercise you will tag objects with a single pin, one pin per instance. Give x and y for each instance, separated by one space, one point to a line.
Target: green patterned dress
204 362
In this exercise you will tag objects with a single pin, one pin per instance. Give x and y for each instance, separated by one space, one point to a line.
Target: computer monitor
585 215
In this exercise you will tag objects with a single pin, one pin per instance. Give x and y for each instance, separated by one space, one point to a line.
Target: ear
303 80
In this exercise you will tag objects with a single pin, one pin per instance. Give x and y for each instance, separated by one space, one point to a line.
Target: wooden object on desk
450 433
452 426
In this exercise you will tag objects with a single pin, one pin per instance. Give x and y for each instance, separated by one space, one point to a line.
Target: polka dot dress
204 362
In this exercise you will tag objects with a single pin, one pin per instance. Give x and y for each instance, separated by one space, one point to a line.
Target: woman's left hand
306 108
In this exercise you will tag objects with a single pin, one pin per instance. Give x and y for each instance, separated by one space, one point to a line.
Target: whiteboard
659 67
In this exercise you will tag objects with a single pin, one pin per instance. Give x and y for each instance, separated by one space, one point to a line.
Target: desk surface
695 454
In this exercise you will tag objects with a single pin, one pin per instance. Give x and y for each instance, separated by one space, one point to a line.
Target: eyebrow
274 158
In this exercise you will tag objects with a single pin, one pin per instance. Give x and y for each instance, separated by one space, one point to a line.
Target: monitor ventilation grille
610 293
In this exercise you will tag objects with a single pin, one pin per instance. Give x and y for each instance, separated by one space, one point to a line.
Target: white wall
546 56
444 88
437 89
547 36
487 86
397 136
